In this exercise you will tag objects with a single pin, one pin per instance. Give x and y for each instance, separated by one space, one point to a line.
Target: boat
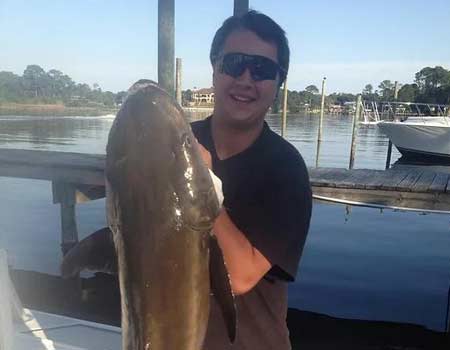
424 137
27 329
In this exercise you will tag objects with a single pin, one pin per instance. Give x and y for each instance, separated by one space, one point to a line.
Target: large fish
161 206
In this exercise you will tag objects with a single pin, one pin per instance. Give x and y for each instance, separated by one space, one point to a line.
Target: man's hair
263 26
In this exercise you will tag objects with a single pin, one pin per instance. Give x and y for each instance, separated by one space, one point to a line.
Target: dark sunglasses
234 64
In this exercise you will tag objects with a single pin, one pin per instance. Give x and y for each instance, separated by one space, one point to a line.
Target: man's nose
245 77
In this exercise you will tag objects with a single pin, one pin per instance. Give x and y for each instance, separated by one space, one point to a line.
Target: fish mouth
201 226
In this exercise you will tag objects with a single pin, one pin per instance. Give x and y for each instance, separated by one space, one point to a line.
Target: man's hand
206 156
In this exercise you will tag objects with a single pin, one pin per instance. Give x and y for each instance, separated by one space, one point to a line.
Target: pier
77 178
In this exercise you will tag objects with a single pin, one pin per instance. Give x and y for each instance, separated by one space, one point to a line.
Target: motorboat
426 137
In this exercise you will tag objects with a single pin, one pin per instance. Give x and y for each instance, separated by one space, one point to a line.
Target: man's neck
230 140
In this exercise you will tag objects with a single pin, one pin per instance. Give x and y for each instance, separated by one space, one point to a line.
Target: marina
396 263
375 272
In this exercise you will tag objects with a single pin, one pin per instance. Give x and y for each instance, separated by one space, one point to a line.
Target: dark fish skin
95 253
161 208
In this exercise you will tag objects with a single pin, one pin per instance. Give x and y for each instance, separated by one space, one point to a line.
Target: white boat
25 329
420 137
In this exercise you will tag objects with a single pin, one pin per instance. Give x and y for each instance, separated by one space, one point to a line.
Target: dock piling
319 132
65 195
166 44
178 92
355 131
240 7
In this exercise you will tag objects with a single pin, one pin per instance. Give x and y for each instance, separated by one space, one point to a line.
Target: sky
114 42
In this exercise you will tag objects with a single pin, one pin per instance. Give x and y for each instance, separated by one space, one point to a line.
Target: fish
161 206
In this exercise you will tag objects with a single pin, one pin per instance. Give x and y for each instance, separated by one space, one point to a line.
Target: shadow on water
431 164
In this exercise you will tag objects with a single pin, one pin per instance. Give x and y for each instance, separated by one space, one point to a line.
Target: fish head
163 156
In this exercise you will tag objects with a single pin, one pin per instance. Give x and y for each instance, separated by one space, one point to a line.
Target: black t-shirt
268 197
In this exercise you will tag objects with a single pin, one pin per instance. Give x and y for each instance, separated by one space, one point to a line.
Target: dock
77 178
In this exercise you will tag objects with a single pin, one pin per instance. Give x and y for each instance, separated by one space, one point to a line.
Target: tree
386 90
11 88
35 80
186 97
408 93
312 89
429 78
368 90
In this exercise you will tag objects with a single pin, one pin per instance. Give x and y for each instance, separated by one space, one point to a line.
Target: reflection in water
360 263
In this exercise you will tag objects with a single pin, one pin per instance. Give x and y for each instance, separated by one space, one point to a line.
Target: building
203 97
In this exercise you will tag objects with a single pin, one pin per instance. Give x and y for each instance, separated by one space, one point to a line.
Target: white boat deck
25 329
40 330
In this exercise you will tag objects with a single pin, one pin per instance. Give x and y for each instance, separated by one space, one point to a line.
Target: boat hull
427 138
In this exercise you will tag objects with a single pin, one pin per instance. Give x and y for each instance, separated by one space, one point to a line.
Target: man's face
242 101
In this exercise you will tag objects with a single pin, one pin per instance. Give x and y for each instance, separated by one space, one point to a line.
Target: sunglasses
261 68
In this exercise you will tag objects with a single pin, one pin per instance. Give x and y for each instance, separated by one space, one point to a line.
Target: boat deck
46 331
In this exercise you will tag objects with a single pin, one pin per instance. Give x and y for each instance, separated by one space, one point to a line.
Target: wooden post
355 131
178 91
317 154
389 150
396 90
319 133
240 7
389 154
166 44
284 112
322 105
65 195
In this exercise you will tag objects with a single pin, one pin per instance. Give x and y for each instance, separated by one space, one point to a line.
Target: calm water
358 262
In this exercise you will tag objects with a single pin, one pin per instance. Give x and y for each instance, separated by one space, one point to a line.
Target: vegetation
431 85
36 86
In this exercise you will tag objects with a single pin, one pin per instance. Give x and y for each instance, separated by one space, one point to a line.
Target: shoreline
53 110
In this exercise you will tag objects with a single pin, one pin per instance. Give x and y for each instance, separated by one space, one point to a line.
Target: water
358 262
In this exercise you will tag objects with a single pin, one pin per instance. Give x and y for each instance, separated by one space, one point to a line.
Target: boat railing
374 112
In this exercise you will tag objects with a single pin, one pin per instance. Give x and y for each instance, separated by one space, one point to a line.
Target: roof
204 91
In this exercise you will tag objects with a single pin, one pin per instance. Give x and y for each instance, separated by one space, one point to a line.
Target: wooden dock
408 188
77 178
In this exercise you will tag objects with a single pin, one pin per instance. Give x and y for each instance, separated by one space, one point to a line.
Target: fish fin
96 252
221 287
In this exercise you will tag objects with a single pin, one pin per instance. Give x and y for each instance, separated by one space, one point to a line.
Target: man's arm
245 264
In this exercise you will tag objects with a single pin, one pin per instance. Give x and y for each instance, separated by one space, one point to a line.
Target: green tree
312 89
11 88
408 93
386 90
35 80
368 90
432 78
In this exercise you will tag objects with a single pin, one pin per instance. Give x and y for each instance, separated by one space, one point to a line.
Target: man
265 217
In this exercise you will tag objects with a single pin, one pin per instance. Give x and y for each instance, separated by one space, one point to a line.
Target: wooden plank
53 166
360 177
424 182
382 178
420 201
407 183
52 159
439 183
325 176
395 178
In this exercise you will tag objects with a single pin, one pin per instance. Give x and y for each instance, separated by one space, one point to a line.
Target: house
203 96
